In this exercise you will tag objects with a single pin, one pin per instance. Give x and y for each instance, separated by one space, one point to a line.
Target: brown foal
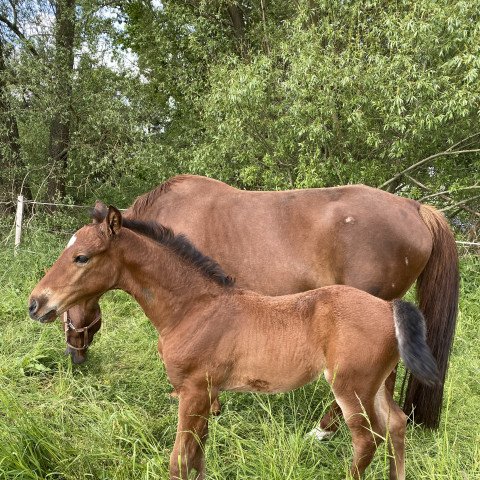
214 336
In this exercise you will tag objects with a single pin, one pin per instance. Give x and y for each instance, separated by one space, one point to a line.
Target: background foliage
108 99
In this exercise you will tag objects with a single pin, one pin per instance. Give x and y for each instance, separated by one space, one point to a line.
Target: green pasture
112 418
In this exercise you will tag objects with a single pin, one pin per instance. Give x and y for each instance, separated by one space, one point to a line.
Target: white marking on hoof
71 241
319 434
406 260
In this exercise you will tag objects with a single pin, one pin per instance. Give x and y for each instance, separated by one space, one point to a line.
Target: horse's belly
274 378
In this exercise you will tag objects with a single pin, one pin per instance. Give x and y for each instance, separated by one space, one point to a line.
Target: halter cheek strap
69 326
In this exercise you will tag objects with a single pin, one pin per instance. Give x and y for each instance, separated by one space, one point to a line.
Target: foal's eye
82 259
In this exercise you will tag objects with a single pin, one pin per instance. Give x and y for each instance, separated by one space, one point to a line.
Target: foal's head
86 269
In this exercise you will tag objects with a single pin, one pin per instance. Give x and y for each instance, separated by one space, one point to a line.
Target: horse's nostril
33 307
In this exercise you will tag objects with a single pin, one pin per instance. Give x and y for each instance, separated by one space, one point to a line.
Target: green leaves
261 95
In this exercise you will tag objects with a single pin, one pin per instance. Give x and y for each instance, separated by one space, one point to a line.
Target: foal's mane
144 201
178 244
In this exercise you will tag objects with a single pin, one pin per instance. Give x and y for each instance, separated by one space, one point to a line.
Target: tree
59 143
114 99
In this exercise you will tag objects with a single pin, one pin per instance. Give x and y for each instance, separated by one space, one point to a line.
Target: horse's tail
410 331
437 295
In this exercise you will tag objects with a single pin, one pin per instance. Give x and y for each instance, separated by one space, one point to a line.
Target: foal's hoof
319 434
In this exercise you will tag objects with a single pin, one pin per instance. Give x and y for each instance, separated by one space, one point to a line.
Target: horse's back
279 242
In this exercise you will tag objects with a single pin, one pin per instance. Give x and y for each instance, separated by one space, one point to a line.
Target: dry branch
458 204
427 159
439 194
443 196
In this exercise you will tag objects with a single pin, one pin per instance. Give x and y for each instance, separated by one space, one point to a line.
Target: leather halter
69 326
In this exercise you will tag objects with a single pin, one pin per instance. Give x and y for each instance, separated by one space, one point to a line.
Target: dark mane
144 201
179 244
182 246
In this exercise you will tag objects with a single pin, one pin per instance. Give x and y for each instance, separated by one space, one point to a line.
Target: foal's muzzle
33 307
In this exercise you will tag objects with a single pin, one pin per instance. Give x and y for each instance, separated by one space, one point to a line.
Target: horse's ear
113 221
99 212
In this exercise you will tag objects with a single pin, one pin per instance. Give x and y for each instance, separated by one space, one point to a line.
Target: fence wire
464 247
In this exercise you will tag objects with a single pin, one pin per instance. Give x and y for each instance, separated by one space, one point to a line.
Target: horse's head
86 269
81 323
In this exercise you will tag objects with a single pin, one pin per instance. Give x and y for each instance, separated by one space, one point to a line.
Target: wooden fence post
18 222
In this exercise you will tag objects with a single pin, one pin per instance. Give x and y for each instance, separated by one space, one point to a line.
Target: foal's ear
99 212
113 221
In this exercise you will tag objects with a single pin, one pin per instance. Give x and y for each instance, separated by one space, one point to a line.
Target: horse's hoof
173 397
319 434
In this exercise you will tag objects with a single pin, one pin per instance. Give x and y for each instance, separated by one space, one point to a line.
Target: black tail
437 293
411 336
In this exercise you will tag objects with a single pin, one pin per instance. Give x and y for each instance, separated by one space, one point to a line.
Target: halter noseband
69 326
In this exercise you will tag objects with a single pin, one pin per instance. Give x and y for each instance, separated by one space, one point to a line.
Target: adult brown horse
290 241
216 337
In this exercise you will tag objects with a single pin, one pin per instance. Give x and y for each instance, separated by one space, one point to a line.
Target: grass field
112 418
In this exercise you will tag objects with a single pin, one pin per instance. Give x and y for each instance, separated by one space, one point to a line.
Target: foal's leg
215 408
362 423
330 422
397 421
188 451
390 382
357 401
368 417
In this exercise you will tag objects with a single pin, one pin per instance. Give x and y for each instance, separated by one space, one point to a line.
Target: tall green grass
113 418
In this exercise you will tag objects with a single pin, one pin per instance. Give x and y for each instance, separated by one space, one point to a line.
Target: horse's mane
182 246
178 244
145 201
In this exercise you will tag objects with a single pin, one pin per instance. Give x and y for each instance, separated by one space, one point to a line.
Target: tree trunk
10 155
63 74
238 24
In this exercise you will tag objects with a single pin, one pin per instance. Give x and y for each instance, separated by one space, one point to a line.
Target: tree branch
462 141
458 204
14 28
442 195
439 194
425 160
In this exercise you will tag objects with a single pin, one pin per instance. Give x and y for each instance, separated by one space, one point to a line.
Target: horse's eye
82 259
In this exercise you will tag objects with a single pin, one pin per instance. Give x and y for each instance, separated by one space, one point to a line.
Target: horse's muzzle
34 308
78 357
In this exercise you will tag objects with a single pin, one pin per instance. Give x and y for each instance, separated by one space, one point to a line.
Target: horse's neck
164 285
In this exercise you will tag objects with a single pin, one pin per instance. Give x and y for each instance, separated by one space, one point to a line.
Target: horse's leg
216 408
357 401
331 420
188 452
396 426
368 417
329 423
390 382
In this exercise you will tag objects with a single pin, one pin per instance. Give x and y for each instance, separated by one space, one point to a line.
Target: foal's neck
165 285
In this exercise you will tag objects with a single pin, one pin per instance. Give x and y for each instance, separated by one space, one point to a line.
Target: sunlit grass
113 418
